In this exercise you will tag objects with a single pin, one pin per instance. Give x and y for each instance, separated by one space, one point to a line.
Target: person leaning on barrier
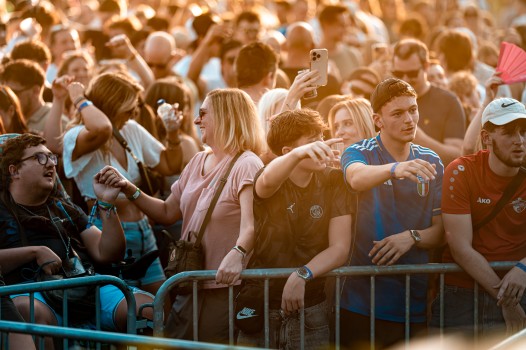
399 190
302 216
229 125
473 185
55 230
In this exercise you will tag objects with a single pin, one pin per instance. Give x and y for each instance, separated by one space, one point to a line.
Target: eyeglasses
42 158
411 74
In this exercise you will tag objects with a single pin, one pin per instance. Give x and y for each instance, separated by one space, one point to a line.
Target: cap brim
508 118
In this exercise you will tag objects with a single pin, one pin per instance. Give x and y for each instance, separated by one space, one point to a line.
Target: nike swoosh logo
242 317
507 105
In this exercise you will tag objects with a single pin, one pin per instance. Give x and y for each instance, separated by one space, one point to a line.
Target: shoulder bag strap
508 192
124 144
222 183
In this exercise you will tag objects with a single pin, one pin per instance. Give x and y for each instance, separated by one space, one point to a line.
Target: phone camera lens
318 56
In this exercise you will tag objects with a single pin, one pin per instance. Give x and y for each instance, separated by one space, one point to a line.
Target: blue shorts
110 298
141 240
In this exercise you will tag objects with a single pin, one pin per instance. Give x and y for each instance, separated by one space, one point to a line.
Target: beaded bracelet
84 105
107 207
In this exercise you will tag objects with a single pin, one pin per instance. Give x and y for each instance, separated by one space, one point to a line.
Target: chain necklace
53 219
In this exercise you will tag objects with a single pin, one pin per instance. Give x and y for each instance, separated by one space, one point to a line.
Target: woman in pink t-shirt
229 125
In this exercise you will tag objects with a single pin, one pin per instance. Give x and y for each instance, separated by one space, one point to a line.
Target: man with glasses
55 231
398 219
160 54
442 122
26 79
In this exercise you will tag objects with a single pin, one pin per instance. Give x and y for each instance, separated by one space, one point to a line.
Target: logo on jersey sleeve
422 187
519 205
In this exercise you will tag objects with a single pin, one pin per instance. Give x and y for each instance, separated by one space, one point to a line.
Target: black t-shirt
292 227
441 115
40 231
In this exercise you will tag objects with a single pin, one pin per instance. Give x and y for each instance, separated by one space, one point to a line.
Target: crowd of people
414 151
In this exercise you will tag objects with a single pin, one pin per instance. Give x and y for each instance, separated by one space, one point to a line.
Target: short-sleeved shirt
471 187
195 191
390 208
441 114
145 147
292 227
40 231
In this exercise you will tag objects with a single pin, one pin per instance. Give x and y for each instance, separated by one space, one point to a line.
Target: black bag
151 181
81 300
184 256
189 256
249 308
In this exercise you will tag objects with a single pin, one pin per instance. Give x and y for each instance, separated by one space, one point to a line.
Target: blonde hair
237 126
270 105
113 94
361 113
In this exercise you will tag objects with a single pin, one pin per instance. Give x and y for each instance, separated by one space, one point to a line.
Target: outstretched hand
319 151
60 87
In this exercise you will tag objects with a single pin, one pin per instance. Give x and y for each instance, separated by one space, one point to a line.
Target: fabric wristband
78 100
521 266
393 168
85 104
135 195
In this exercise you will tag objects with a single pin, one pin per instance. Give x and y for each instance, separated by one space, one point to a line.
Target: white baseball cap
503 111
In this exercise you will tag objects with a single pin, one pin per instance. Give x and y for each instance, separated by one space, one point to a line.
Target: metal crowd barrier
100 337
99 280
338 274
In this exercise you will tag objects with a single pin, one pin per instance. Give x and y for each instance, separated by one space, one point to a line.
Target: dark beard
505 160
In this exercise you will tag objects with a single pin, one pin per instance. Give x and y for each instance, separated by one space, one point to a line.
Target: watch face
416 235
304 273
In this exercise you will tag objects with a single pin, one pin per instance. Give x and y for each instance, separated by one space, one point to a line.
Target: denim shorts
459 311
110 298
141 240
285 330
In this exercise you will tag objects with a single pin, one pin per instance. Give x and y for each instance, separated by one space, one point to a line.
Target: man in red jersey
472 187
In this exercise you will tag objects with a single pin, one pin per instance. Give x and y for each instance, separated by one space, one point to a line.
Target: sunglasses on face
411 74
42 158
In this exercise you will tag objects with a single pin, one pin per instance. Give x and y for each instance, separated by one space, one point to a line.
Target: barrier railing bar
285 272
110 337
337 296
407 309
195 310
512 341
476 313
373 312
77 282
266 312
441 306
231 315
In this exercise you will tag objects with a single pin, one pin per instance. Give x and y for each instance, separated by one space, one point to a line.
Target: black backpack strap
506 196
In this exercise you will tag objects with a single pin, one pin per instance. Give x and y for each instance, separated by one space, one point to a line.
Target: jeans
285 330
459 311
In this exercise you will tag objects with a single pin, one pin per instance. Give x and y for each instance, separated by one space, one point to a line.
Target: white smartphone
319 60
